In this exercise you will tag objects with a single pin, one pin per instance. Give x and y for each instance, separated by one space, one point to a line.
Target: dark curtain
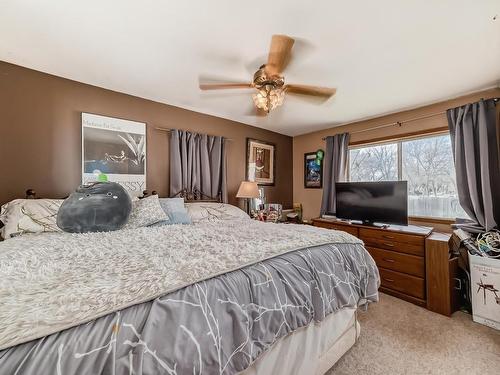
198 162
474 138
335 169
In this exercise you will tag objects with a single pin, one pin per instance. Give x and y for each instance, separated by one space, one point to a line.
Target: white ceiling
382 56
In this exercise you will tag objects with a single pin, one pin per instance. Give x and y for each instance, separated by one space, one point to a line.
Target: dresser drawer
385 235
392 260
346 228
322 224
402 247
407 284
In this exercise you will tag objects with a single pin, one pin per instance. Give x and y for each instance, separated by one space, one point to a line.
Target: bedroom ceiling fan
269 80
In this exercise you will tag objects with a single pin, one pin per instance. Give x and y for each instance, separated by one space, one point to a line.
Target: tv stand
375 225
398 250
362 223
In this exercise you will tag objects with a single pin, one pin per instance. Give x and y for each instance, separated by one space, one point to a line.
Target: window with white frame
425 162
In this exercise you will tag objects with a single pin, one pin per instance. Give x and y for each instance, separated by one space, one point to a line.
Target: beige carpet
400 338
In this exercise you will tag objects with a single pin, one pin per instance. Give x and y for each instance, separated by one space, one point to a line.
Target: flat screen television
384 202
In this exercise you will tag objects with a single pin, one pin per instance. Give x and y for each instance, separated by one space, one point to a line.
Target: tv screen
381 202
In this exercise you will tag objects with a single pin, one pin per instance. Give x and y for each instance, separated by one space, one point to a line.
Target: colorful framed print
114 150
313 171
261 162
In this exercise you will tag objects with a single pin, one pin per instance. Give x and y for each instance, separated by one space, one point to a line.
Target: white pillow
212 211
146 211
22 216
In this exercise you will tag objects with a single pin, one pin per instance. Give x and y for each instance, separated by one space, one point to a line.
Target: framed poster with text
114 150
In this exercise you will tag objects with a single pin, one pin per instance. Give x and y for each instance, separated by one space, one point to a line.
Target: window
375 163
426 163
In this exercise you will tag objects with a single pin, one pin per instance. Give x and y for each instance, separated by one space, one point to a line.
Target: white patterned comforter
51 282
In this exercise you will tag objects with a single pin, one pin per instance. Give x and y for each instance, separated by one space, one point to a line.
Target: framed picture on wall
261 161
313 171
114 150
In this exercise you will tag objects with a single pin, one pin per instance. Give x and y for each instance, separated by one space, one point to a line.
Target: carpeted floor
400 338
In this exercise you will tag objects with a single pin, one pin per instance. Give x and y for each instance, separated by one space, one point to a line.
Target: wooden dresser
442 275
399 252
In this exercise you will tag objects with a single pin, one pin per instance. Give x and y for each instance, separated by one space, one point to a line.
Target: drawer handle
388 244
388 260
389 280
388 237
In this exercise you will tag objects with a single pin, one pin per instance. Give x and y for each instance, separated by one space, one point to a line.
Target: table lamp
248 190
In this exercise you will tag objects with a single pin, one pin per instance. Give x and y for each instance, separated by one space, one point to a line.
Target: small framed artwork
261 162
313 171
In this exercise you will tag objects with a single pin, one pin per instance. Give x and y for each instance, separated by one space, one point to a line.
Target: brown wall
40 135
311 198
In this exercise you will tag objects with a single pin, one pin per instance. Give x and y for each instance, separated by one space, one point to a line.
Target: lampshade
248 189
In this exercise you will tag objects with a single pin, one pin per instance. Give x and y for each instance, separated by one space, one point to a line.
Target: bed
224 295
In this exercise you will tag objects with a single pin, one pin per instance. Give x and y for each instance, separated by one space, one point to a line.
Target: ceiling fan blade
323 92
279 54
223 86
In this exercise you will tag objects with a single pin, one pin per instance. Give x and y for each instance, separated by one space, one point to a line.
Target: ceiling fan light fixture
268 98
269 81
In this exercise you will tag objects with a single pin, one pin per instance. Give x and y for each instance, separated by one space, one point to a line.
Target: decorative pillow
96 207
210 211
145 212
175 210
22 216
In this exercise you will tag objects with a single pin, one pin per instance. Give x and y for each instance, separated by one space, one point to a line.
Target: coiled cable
488 244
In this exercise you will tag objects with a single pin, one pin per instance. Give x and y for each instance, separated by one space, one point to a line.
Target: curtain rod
168 129
399 123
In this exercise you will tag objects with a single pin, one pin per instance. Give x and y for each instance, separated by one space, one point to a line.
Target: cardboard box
485 285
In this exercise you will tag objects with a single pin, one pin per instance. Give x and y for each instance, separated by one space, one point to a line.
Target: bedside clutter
401 253
274 212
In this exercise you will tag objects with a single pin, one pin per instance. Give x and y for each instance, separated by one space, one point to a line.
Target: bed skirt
313 349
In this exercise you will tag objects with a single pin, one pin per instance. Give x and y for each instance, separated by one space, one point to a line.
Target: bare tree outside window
375 163
426 163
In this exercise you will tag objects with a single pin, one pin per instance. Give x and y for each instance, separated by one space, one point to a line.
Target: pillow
22 216
175 210
145 212
95 207
211 211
